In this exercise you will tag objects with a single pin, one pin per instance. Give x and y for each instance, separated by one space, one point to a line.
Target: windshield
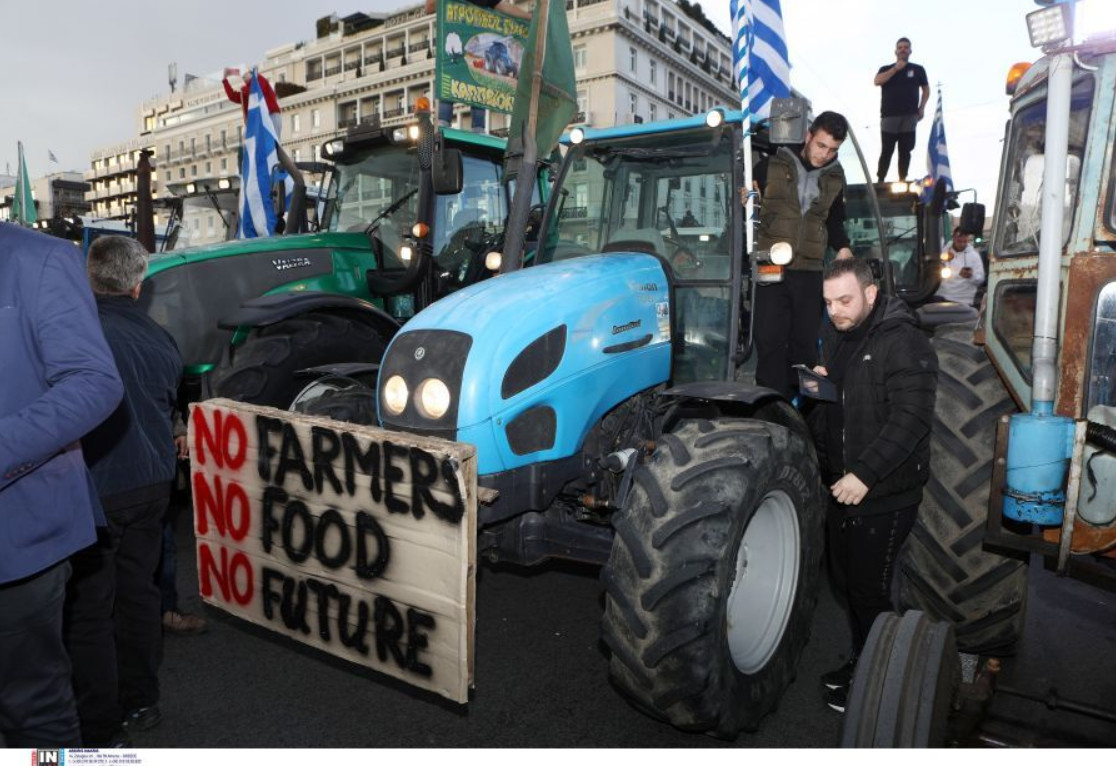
380 184
861 224
671 200
207 218
1020 216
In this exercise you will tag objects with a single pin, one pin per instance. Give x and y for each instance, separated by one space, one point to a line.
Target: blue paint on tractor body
617 315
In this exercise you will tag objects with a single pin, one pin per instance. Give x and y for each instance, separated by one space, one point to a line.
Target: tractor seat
647 240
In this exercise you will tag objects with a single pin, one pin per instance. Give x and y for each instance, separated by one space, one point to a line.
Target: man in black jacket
873 443
803 205
113 614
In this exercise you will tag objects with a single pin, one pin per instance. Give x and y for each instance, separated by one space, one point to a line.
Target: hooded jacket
888 406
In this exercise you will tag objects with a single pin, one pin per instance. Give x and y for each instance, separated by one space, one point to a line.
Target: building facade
58 196
635 61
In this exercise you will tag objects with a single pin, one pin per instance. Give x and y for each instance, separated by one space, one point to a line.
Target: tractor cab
672 190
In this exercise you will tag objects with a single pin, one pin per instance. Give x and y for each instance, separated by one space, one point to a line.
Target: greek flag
937 158
259 159
759 55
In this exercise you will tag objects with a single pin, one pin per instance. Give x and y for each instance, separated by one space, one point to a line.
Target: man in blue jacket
58 382
113 610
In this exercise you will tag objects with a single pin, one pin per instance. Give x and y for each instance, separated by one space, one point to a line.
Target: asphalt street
542 678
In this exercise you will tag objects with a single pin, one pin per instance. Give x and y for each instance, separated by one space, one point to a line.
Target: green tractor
405 216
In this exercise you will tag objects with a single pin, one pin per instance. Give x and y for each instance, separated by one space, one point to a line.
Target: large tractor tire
905 683
944 569
713 576
263 369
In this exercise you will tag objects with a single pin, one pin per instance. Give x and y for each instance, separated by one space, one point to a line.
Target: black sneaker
841 677
142 719
837 698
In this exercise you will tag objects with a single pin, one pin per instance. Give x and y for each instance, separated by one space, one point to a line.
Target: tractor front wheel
713 575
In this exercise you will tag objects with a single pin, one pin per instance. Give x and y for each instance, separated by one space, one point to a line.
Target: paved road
541 678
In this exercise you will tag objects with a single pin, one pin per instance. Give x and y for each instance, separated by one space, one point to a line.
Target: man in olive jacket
803 205
873 443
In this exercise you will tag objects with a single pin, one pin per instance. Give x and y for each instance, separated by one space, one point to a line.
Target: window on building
654 68
296 123
581 57
182 172
167 176
208 167
224 164
633 60
582 101
166 154
316 118
633 103
652 112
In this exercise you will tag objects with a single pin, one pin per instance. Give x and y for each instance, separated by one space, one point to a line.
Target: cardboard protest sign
357 541
480 52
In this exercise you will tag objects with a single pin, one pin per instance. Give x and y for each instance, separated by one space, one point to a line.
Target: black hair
855 266
832 123
906 40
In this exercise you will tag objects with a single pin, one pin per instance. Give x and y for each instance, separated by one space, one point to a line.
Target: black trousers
114 629
36 696
905 142
787 318
863 553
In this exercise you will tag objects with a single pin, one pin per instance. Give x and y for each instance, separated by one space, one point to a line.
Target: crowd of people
89 457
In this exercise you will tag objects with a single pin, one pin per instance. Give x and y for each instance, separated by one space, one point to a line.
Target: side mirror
446 171
972 218
938 197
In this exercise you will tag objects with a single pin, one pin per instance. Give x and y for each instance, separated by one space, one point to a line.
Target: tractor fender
736 399
269 309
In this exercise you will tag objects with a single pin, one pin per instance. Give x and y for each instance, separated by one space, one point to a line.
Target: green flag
23 206
546 106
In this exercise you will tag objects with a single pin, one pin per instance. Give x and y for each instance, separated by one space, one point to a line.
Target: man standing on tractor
873 442
803 193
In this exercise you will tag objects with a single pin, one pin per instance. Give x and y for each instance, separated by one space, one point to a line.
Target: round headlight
577 135
781 253
395 395
947 272
714 118
493 260
433 398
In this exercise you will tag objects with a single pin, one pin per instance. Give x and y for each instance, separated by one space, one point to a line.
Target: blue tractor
607 392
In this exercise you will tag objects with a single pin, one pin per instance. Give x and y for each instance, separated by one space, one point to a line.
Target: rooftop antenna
172 75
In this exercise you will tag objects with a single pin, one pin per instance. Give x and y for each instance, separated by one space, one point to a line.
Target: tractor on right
1024 440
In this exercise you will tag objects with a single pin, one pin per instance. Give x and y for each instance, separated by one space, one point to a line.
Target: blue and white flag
257 213
759 55
937 157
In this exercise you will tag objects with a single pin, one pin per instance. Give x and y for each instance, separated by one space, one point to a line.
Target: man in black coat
113 610
873 443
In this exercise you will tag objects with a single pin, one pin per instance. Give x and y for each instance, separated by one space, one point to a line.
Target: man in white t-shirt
966 271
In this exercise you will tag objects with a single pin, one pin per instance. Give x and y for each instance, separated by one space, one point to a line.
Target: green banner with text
479 55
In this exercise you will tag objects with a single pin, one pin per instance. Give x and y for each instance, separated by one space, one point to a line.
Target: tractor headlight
714 118
395 395
433 398
577 135
781 253
493 260
406 252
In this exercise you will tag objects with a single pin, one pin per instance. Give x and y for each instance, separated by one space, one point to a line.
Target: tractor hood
532 359
189 292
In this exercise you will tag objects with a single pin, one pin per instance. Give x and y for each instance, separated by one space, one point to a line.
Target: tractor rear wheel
944 569
713 576
263 369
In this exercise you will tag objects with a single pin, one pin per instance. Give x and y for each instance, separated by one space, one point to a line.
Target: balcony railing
347 122
395 52
574 212
330 71
313 74
398 111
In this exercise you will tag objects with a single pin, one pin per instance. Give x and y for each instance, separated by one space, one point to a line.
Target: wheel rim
764 584
315 389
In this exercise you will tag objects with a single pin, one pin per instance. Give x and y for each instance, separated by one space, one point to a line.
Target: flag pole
528 162
742 33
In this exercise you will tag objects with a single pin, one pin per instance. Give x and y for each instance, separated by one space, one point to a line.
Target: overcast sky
75 72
